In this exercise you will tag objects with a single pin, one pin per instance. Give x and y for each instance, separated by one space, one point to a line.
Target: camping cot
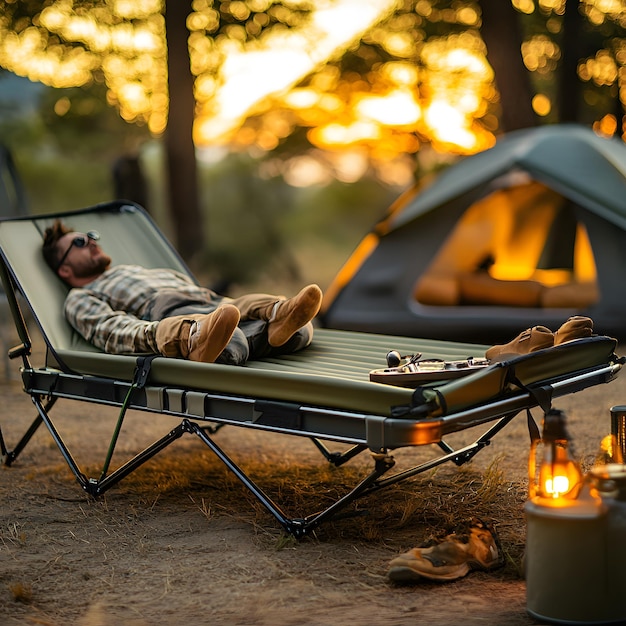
323 393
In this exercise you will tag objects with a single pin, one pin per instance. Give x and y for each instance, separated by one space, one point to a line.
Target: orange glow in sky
278 62
236 79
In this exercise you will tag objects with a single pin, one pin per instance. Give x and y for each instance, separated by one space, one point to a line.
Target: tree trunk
502 35
183 194
569 86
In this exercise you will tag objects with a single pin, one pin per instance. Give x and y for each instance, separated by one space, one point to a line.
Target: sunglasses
80 241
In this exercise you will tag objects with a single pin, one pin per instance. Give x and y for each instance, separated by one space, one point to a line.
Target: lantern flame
557 486
560 477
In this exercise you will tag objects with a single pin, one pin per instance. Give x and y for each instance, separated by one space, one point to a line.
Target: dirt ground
180 541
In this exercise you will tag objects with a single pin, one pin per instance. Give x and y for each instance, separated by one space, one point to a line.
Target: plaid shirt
113 311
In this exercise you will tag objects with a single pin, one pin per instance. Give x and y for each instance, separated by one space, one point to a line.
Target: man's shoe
473 546
529 340
575 327
210 334
292 314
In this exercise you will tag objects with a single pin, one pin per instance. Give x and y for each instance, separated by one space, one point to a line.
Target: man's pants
249 340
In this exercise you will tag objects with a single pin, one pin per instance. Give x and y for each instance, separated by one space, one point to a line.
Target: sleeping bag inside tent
528 232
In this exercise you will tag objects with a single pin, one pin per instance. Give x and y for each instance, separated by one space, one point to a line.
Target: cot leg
383 462
69 459
298 527
258 493
3 449
93 486
338 458
8 456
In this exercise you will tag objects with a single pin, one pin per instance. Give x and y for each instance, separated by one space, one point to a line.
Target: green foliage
257 226
63 183
340 213
69 115
66 161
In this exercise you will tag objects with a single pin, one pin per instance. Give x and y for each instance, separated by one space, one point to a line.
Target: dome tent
528 232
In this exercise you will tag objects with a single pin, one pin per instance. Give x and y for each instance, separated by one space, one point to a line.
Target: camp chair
322 393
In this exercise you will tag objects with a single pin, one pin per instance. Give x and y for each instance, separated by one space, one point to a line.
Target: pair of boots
540 337
202 338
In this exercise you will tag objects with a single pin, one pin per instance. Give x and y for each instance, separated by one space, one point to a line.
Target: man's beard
98 265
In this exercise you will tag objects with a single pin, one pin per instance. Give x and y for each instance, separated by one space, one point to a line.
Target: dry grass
182 540
21 592
409 511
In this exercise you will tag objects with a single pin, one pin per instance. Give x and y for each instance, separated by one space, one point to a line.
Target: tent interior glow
510 227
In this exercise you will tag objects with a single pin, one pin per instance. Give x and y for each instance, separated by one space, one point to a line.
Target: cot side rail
202 413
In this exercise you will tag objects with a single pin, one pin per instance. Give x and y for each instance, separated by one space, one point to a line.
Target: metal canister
566 562
618 434
610 481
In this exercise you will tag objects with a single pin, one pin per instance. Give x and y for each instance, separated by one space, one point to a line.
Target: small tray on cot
417 372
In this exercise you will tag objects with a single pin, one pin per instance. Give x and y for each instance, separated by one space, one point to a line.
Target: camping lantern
560 476
567 562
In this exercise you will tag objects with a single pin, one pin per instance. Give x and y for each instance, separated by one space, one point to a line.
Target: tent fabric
568 158
528 232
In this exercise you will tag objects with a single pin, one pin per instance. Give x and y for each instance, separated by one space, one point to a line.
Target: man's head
75 257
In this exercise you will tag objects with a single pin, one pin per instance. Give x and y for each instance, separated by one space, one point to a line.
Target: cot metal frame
322 393
203 413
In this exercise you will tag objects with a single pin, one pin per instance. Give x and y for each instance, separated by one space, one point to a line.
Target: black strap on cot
543 397
140 377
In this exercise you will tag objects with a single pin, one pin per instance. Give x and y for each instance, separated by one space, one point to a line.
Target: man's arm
115 332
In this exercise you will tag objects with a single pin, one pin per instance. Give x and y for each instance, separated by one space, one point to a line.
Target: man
128 309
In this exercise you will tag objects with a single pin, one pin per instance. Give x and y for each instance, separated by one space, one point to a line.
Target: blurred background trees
259 125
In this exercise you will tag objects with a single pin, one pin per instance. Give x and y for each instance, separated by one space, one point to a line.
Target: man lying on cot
126 309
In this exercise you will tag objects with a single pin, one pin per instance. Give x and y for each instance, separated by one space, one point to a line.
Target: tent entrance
521 246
